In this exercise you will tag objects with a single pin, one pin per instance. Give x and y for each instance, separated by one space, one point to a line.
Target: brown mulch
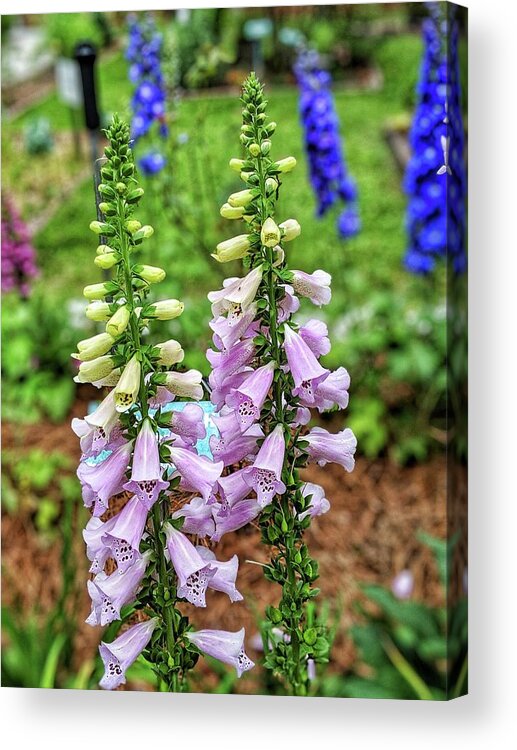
368 536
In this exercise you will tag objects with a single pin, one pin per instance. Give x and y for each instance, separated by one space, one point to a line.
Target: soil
369 535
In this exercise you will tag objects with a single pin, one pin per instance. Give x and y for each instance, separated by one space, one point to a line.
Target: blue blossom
435 178
144 55
152 162
323 144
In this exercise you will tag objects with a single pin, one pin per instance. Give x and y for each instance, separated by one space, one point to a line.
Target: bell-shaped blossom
110 593
288 304
125 531
227 331
315 286
146 475
225 574
318 502
236 296
229 362
194 573
224 646
338 448
239 447
306 371
103 420
96 551
238 516
232 489
198 517
127 388
333 391
189 423
221 389
315 334
248 399
197 473
264 475
123 651
102 481
185 384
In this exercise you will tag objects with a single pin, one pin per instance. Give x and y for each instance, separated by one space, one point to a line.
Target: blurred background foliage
388 327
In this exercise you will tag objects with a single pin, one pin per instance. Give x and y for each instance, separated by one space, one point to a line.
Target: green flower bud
231 212
232 249
101 249
121 188
132 225
254 149
270 233
126 390
144 233
98 291
118 322
170 353
98 311
236 164
94 347
286 165
107 260
271 185
274 615
135 195
96 369
166 309
106 190
265 148
245 176
151 274
242 198
290 229
100 227
270 127
310 636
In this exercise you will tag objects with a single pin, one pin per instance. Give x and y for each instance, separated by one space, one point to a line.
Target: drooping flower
325 447
119 537
146 474
333 391
98 425
185 384
197 473
224 646
315 286
238 516
188 423
123 651
248 399
265 474
236 296
110 593
315 335
306 370
126 390
103 480
225 574
198 517
194 573
318 502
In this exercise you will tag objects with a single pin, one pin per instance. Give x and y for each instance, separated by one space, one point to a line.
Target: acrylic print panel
234 350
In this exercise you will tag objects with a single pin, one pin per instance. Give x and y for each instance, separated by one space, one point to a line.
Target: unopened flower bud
96 369
271 185
94 347
270 233
170 353
101 249
106 260
98 291
126 390
185 384
144 233
232 249
121 188
166 309
236 164
151 274
118 322
98 311
231 212
133 225
270 127
265 148
286 165
241 198
100 227
254 149
290 229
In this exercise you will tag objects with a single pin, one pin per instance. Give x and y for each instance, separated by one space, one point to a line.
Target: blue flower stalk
328 172
144 562
436 178
266 377
148 103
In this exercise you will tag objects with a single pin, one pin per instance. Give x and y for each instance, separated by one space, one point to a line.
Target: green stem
405 669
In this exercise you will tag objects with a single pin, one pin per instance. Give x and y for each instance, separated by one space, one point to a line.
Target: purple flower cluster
323 144
18 255
148 101
435 179
129 445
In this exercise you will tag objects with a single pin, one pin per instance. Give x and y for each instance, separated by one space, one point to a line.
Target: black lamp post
85 54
